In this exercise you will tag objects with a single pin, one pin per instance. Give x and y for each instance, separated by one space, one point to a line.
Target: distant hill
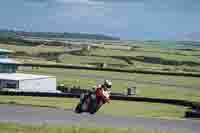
195 36
11 33
188 36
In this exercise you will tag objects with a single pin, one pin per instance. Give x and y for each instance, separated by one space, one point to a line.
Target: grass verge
18 128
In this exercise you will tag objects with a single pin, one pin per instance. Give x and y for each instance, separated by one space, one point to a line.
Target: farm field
136 56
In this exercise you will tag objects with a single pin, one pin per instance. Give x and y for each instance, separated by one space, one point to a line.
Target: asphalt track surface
39 115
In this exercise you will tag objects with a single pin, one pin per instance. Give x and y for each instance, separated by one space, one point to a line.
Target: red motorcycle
90 103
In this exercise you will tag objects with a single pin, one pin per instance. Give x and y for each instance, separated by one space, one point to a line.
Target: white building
27 82
12 81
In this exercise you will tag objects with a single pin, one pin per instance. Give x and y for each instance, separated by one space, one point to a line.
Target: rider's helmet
107 84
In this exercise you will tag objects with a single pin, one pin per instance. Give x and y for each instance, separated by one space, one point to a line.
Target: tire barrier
192 114
110 69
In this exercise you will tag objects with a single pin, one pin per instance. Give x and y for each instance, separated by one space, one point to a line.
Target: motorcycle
88 102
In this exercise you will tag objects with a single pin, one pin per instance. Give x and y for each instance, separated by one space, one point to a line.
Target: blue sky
127 19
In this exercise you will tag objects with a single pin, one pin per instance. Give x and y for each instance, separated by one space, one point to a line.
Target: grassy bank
18 128
116 108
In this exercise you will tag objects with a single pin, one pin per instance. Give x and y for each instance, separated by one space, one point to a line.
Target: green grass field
71 59
110 56
19 128
129 109
73 77
174 55
162 53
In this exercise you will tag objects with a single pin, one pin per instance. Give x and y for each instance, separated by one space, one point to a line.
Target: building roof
22 76
7 61
5 51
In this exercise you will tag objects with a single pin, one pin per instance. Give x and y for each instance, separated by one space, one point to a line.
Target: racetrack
39 115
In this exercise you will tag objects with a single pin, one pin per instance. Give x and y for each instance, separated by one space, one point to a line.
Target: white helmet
107 84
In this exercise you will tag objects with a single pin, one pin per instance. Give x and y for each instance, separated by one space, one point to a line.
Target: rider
99 91
98 95
105 87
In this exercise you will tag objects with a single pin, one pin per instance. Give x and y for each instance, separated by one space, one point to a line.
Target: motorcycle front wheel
94 107
78 109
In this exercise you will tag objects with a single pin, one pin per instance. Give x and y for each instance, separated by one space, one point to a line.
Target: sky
127 19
